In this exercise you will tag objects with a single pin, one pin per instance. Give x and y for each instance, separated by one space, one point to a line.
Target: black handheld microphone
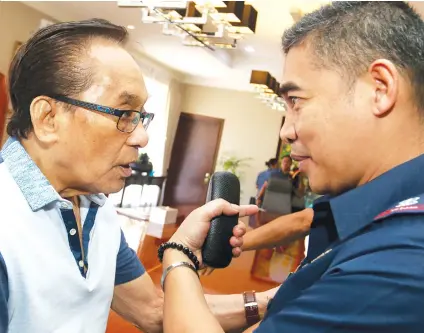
217 250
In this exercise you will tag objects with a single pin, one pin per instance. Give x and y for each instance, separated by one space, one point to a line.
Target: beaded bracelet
179 247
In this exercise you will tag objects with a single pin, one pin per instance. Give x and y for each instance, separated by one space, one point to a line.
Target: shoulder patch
414 205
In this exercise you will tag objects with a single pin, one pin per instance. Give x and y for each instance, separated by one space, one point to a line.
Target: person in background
353 83
263 176
284 172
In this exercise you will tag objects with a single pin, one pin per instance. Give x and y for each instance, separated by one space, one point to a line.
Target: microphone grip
217 250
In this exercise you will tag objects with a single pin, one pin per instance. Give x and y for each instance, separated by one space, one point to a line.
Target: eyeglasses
128 119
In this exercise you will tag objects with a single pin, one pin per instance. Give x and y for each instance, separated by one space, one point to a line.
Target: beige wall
175 100
17 23
250 129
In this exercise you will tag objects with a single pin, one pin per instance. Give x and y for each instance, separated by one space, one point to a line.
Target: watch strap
251 308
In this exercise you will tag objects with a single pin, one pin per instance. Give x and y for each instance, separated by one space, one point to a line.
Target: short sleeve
4 296
381 291
128 266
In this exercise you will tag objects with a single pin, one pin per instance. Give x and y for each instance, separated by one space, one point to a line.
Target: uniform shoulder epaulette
413 205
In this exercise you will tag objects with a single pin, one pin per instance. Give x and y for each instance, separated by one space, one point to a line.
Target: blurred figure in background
284 172
263 176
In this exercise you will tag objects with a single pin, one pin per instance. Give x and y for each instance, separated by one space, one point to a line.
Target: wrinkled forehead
117 78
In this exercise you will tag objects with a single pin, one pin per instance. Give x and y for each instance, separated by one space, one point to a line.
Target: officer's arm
281 231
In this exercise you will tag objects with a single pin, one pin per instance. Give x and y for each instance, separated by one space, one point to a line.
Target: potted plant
233 164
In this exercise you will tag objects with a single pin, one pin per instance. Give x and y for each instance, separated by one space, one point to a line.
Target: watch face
251 308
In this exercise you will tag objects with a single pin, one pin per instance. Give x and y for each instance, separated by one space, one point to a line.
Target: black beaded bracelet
172 245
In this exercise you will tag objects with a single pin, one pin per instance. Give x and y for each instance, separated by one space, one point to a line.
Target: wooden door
193 159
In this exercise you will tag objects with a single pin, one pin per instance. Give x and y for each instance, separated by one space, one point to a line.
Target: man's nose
139 137
288 133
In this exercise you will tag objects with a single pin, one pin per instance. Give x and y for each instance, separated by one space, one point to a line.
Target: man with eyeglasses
77 124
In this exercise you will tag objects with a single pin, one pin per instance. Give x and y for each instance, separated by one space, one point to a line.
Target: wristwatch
251 308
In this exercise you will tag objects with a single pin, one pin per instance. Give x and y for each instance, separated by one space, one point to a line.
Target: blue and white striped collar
35 187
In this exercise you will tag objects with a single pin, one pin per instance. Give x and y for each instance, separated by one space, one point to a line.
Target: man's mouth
126 170
299 158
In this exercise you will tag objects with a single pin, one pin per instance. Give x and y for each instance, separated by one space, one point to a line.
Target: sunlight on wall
157 102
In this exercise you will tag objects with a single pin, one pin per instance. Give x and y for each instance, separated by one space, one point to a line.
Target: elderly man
353 81
78 122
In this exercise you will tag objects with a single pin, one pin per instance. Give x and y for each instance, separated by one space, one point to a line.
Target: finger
208 271
247 210
215 208
236 241
218 207
240 229
236 252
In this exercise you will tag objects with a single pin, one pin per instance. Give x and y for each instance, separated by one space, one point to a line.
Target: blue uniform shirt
364 271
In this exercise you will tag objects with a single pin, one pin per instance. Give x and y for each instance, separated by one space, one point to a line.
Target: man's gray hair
349 36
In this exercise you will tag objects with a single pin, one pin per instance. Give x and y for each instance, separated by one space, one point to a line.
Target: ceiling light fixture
206 23
130 27
267 89
249 49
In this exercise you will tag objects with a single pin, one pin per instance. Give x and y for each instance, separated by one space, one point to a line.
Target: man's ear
385 77
43 116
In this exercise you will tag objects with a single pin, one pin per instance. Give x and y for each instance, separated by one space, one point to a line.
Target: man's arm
281 231
140 303
4 296
229 309
135 297
261 193
138 300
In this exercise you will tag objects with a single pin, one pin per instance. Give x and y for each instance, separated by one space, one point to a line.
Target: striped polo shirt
48 281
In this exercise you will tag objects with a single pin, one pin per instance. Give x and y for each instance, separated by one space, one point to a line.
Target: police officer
353 81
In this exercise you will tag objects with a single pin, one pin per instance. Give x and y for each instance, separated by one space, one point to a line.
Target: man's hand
193 231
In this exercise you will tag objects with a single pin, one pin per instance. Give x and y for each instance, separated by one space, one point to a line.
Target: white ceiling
225 69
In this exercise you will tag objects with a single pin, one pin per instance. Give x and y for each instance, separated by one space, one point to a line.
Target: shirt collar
35 187
357 208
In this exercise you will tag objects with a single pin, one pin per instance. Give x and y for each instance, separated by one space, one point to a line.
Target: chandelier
208 23
267 89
